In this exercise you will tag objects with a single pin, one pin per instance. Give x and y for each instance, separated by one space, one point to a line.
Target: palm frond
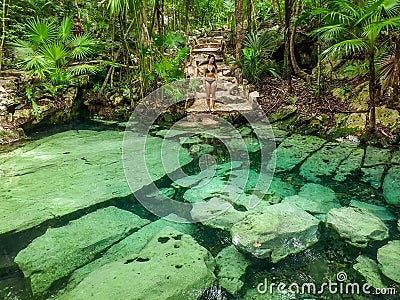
82 46
389 68
83 69
330 32
347 46
65 29
41 31
54 52
22 48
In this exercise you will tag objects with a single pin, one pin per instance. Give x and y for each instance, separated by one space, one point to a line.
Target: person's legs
213 91
208 92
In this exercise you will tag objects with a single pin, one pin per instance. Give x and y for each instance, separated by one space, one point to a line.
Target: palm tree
47 51
357 28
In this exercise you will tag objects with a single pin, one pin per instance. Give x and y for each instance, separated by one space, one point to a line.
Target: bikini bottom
210 81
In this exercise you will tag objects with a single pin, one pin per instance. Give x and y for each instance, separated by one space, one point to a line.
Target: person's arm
204 77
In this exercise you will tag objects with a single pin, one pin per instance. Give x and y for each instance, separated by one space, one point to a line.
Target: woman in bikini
210 81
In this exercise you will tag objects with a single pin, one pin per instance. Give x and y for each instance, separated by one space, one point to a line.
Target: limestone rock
388 257
391 185
376 156
133 243
294 149
396 158
278 231
283 113
315 199
373 176
369 269
381 212
387 117
356 121
171 266
60 251
325 161
356 226
232 266
216 213
349 165
69 171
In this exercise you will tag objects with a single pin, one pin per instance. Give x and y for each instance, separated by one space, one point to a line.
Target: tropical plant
52 53
257 52
357 28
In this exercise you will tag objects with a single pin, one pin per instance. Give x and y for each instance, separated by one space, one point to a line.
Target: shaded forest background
315 52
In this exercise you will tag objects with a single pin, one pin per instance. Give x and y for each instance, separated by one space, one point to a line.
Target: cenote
72 229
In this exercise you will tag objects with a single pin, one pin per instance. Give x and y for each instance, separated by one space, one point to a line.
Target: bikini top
212 70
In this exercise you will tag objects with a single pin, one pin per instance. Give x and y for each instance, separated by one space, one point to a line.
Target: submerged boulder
388 257
369 269
171 266
60 251
358 227
294 149
314 198
373 176
231 266
276 232
325 161
348 166
376 156
391 186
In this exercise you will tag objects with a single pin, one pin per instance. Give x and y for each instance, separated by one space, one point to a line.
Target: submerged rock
348 166
232 266
388 257
391 186
171 266
376 156
325 161
314 198
381 212
276 232
369 269
70 171
294 149
133 243
358 227
60 251
216 213
373 176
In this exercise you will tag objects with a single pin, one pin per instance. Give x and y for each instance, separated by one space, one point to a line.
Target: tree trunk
239 34
155 15
239 28
287 60
249 15
297 71
372 120
162 17
395 96
187 9
3 34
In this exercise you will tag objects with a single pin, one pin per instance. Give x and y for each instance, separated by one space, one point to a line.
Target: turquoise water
318 264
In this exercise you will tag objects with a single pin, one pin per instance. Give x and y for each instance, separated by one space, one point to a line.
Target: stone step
214 39
207 45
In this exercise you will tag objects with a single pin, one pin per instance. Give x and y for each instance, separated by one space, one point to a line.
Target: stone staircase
231 97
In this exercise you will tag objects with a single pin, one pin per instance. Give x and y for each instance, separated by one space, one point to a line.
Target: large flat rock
294 150
356 226
60 251
69 171
171 266
133 243
315 198
325 161
276 232
350 165
388 257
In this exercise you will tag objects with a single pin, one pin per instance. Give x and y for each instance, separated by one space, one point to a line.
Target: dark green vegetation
134 46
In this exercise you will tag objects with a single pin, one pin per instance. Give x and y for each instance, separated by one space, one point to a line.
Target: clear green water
318 264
